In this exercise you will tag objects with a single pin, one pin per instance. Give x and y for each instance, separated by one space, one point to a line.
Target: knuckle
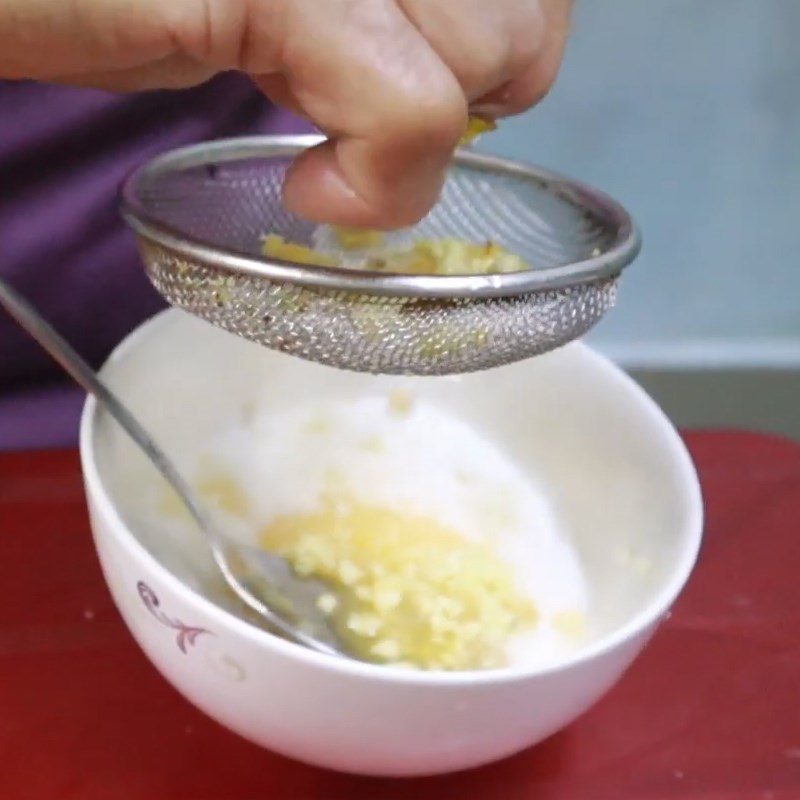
502 50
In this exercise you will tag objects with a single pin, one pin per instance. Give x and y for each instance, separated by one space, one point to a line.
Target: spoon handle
41 330
44 333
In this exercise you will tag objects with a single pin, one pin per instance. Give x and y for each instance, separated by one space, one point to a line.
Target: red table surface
711 710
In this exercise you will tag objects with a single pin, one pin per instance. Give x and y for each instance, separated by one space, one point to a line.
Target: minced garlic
216 487
357 238
476 127
365 239
448 257
571 624
423 257
405 588
401 403
275 246
327 603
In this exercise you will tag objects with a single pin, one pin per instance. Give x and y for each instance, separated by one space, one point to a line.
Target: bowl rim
648 615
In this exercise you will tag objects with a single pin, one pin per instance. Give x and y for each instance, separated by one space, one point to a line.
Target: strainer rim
608 264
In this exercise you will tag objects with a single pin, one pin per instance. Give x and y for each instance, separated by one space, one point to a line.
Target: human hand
389 81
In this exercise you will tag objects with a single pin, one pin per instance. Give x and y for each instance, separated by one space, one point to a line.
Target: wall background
688 112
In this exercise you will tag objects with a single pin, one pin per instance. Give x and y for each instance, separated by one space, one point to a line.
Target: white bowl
615 469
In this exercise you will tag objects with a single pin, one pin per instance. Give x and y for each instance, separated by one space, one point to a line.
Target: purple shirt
63 154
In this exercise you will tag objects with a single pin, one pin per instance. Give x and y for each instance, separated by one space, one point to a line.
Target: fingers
485 44
389 81
41 39
531 85
393 110
173 72
505 54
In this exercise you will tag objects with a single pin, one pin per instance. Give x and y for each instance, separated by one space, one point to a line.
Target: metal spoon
263 581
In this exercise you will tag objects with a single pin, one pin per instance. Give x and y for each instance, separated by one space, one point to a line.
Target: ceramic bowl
616 471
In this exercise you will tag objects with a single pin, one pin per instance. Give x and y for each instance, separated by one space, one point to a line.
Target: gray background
688 111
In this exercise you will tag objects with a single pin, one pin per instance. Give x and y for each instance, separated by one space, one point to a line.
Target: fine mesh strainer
201 213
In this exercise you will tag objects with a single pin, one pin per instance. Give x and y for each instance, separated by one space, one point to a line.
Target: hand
389 81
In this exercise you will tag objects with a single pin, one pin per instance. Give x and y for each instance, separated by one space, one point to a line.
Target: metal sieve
201 213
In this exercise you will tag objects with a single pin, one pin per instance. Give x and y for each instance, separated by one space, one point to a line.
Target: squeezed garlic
407 588
423 257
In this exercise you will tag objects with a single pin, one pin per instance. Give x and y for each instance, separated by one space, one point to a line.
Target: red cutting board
711 711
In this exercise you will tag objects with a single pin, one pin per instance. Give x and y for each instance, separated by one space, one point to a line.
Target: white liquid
424 462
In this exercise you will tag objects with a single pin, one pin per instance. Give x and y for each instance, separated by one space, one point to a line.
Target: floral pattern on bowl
186 635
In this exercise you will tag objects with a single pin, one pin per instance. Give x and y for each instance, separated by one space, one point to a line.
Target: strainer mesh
233 205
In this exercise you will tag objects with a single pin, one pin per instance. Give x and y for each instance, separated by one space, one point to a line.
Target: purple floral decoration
187 635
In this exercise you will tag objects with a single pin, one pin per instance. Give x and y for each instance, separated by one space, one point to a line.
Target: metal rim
625 247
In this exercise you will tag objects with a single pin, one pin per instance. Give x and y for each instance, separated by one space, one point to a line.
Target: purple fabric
40 418
63 155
